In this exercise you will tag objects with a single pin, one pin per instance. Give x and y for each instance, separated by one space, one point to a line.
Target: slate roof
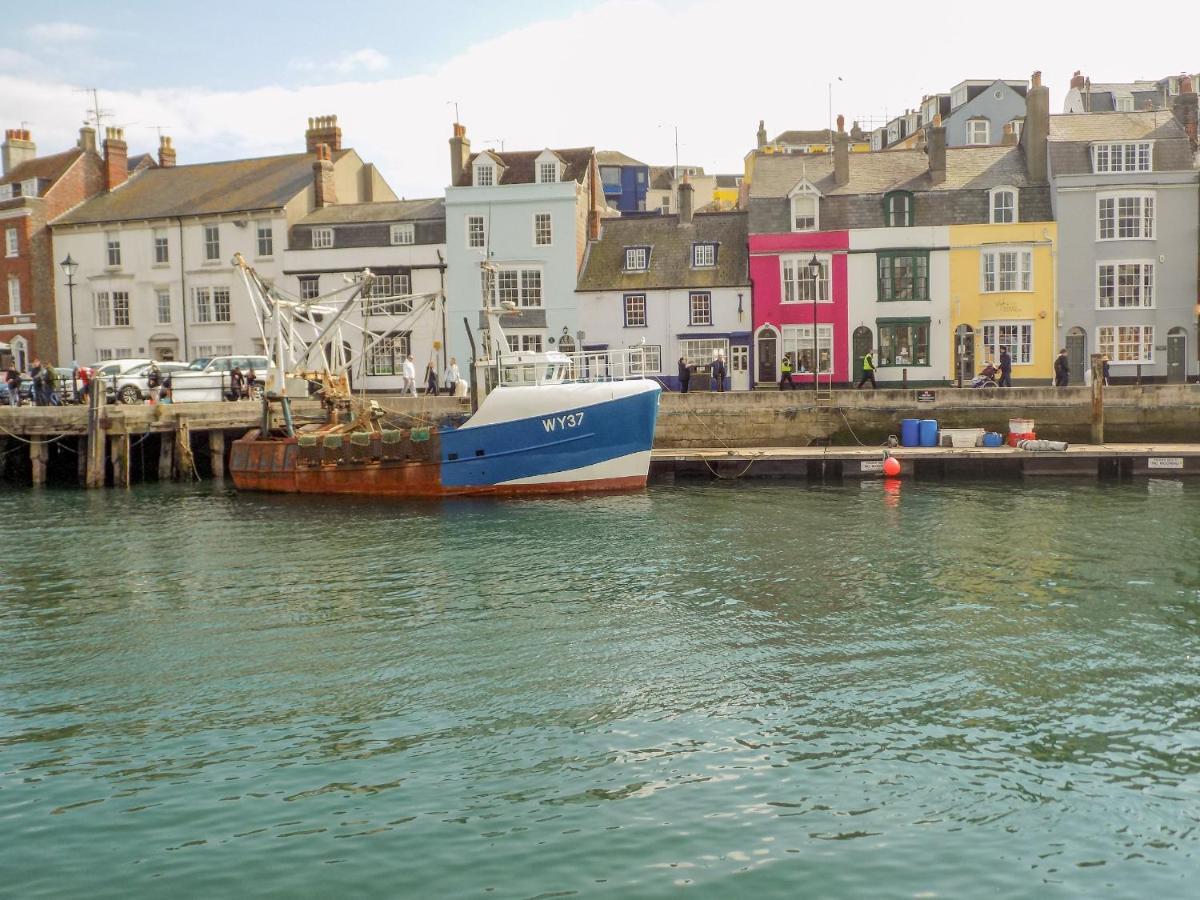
518 165
202 189
388 211
142 160
728 181
48 167
974 168
670 254
817 136
616 158
1116 126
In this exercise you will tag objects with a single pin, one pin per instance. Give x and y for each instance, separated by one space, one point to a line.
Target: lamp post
814 266
70 267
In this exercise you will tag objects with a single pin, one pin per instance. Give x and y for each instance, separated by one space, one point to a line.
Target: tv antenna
95 115
454 103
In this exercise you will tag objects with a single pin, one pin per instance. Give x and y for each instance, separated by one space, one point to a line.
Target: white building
155 252
403 243
676 285
530 214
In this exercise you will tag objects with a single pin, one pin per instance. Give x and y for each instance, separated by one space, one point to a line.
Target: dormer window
1002 201
485 174
547 172
29 187
978 131
547 167
1123 157
898 209
704 255
403 233
805 206
637 259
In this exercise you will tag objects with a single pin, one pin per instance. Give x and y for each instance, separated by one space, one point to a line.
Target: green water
715 690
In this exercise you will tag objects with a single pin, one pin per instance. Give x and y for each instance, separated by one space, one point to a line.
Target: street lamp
814 266
70 267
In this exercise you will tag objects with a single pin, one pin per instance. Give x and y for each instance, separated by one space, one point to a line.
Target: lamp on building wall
70 267
814 266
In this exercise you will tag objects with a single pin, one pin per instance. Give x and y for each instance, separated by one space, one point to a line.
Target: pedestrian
1005 368
153 381
38 390
237 383
786 369
409 374
1062 369
452 377
50 385
251 383
718 373
868 363
431 385
685 375
1104 370
13 379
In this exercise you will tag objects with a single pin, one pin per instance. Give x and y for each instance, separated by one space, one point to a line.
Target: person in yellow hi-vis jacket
868 370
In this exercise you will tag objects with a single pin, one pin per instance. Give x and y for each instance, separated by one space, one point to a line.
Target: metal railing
560 368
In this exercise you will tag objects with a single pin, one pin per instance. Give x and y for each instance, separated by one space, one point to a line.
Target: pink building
789 292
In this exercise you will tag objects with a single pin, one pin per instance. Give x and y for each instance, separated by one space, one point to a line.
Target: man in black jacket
685 375
1062 371
1005 368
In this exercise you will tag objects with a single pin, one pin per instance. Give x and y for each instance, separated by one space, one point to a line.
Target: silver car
132 386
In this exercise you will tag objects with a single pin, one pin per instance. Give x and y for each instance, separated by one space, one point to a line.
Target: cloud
61 32
368 59
15 59
579 81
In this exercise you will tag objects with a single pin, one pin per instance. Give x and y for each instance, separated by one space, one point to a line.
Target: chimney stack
460 152
1185 108
323 130
841 157
326 193
762 134
1078 81
1009 138
686 199
937 153
1037 130
166 153
87 139
18 148
116 158
856 132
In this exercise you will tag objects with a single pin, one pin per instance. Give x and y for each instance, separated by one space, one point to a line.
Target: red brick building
34 190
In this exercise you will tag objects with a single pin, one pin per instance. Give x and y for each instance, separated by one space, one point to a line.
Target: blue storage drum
929 432
910 432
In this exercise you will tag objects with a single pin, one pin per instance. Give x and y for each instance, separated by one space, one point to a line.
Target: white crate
961 437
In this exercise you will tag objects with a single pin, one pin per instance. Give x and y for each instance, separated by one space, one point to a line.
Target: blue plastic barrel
910 433
929 432
993 439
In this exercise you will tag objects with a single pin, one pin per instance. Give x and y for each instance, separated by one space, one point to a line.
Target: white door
739 367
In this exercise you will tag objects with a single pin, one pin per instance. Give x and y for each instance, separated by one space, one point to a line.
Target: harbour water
739 689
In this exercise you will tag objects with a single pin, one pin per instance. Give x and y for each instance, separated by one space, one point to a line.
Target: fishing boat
551 422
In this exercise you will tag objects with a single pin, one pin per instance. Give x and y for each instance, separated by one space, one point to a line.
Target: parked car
68 384
132 386
212 383
198 364
25 393
260 365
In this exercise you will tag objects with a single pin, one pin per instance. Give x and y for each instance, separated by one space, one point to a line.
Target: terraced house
676 285
867 239
154 249
1124 189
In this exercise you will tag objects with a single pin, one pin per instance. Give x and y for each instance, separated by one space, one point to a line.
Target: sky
231 80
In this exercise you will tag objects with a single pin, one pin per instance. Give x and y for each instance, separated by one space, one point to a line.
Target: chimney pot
937 154
166 153
18 148
460 152
1036 80
116 158
841 122
1078 81
323 130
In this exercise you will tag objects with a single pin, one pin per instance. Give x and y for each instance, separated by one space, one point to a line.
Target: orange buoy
891 467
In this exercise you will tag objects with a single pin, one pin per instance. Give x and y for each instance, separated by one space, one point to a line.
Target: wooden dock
833 464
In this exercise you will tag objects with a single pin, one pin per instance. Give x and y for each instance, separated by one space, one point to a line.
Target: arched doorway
1077 356
1177 356
862 342
964 354
20 353
766 343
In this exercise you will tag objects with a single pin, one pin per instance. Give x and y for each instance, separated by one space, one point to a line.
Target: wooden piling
1097 398
81 458
97 437
165 457
39 455
216 450
184 466
121 446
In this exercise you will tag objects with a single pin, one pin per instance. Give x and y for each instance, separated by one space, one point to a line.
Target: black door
1077 354
768 349
1176 358
861 341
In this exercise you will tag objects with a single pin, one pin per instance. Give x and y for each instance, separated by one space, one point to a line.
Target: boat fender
1043 445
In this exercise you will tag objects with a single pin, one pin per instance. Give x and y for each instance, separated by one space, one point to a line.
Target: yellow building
1002 294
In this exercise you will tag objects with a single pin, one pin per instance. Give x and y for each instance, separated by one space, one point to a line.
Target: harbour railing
560 368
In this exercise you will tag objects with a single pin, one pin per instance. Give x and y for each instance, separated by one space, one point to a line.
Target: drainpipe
183 291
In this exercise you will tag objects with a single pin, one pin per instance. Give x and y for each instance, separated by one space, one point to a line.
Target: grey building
976 112
1124 188
1121 96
